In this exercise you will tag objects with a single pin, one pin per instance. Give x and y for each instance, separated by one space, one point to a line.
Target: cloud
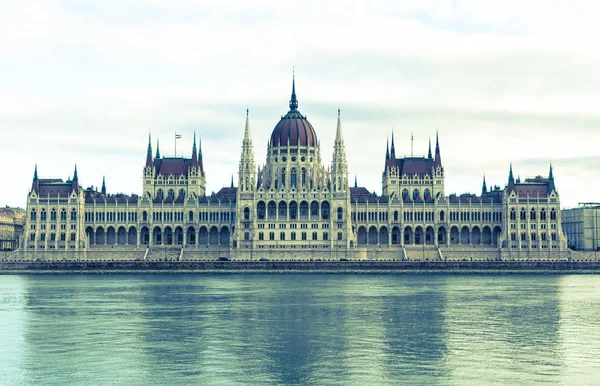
86 82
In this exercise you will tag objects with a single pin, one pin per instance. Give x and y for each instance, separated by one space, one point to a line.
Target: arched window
325 210
415 194
553 235
293 178
552 214
276 184
182 193
513 214
533 236
426 194
396 215
145 216
523 214
442 215
260 210
246 213
272 210
53 215
314 208
160 194
532 215
33 215
303 177
283 177
340 213
172 193
523 236
404 193
43 214
293 211
63 214
191 216
543 214
73 215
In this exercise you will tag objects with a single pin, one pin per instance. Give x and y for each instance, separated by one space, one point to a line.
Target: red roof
293 127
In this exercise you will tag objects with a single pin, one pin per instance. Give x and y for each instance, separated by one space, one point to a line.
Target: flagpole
175 144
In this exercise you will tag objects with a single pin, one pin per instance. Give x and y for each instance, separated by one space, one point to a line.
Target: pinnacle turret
484 186
149 153
157 149
429 152
438 157
75 178
103 191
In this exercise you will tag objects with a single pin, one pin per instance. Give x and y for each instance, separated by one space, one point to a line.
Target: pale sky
84 81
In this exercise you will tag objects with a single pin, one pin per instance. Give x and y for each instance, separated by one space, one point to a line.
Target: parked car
263 259
137 260
223 258
40 260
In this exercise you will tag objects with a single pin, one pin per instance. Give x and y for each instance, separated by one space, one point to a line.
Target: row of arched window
533 236
532 214
292 211
160 194
53 213
416 193
303 236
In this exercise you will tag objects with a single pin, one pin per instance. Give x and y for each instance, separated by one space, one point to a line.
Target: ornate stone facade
293 207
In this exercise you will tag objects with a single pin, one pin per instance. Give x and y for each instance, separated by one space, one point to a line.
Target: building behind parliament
294 207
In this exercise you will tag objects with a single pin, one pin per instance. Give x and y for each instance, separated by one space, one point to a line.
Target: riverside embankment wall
301 266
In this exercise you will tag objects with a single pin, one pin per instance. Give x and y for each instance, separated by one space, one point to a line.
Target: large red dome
293 129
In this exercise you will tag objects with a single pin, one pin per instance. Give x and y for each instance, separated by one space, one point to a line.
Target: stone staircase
422 252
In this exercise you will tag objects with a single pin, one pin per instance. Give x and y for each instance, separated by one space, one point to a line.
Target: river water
300 329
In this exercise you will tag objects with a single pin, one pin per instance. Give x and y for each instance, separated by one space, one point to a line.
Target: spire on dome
293 100
429 153
103 191
157 149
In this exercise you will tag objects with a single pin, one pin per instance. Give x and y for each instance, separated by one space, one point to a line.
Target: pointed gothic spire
293 100
157 149
393 149
149 153
231 181
484 186
339 139
103 191
355 181
247 137
550 174
438 158
429 153
35 175
511 178
387 148
75 178
194 152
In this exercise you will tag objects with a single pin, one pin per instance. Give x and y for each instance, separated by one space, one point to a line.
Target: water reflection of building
582 226
12 222
295 206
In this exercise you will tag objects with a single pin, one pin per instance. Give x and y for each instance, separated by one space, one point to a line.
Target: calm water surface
300 329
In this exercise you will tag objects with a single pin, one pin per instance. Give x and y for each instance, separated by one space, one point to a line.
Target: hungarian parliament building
294 207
